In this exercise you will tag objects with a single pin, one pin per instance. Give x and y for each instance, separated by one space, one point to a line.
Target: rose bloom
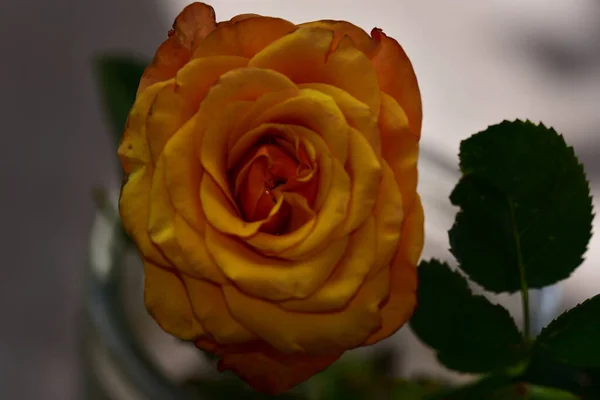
271 174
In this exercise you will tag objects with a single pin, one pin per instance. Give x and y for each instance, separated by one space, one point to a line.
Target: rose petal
403 280
195 22
400 149
272 278
358 114
244 37
305 56
317 112
208 306
397 78
265 369
313 333
168 231
347 277
360 38
175 104
168 303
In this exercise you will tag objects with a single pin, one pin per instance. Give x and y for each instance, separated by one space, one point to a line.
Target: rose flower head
271 174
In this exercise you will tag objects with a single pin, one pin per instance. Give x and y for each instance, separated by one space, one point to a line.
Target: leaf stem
524 287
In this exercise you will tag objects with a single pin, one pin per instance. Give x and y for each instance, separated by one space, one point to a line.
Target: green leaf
118 78
574 337
526 209
469 333
526 391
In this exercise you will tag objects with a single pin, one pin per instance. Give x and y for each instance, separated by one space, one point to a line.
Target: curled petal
397 78
195 22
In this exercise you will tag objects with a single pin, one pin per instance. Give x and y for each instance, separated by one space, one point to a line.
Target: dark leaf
525 208
469 333
574 337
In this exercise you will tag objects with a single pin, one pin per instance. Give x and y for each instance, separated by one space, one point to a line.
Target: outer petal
359 37
243 37
177 103
397 78
403 280
400 148
313 333
134 203
265 369
167 301
305 56
208 305
195 22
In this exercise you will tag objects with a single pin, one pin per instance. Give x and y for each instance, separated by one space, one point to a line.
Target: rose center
271 168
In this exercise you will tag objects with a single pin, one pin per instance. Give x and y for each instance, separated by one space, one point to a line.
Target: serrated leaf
118 78
469 333
525 208
574 337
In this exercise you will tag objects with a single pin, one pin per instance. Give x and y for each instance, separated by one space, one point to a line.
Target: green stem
524 287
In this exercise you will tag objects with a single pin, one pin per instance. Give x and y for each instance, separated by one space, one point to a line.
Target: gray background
477 64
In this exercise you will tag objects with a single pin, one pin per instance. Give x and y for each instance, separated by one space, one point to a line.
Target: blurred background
477 62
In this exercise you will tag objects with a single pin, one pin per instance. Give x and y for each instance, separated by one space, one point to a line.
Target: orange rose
271 190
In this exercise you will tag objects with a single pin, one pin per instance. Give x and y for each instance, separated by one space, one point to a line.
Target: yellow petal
357 113
168 303
244 37
397 78
195 22
133 149
176 103
241 85
317 112
403 280
400 148
134 208
208 305
183 174
347 276
306 56
314 333
264 368
272 278
222 214
389 217
168 231
364 169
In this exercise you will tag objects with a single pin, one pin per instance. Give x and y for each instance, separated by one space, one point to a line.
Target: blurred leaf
526 391
118 78
469 333
574 337
525 207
